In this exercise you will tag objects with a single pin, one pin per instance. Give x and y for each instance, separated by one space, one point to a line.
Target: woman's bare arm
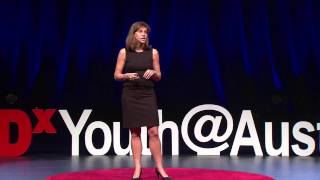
156 66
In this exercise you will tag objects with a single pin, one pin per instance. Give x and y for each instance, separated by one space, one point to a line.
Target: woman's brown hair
131 42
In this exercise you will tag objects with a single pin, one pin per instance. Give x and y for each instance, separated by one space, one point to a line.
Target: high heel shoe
164 178
139 177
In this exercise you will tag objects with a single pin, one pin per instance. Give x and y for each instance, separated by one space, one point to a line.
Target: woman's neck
139 50
140 47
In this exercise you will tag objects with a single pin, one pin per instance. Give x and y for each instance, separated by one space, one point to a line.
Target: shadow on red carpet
149 173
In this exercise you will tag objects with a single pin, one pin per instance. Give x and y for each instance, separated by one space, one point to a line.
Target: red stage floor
149 173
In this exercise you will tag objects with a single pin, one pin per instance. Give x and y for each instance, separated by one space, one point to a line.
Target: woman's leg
155 147
136 147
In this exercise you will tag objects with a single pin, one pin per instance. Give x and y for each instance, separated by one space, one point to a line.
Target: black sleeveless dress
139 102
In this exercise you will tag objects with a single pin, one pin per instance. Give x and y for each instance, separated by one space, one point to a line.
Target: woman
138 67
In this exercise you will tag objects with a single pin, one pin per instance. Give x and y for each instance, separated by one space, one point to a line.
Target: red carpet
148 173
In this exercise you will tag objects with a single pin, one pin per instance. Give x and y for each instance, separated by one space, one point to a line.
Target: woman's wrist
126 76
156 76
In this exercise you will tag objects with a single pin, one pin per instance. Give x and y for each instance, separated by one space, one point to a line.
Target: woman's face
141 35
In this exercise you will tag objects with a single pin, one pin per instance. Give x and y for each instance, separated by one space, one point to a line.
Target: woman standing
138 67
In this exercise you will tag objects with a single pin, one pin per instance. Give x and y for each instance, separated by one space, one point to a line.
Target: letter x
44 117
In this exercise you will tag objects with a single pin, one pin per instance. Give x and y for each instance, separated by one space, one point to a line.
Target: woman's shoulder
155 51
122 50
122 53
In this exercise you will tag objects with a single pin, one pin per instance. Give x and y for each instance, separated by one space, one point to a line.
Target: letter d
23 123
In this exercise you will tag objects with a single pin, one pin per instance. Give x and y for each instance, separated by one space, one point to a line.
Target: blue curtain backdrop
260 55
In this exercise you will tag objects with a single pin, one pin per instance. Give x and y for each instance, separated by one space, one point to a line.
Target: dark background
258 55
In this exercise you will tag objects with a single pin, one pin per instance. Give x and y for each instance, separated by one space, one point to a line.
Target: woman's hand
149 73
131 76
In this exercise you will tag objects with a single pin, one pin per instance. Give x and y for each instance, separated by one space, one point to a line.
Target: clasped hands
147 75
